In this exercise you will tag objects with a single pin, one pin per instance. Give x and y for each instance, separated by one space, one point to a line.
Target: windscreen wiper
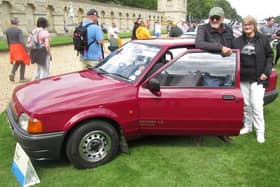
100 71
118 75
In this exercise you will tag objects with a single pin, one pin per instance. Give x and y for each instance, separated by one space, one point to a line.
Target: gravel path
64 60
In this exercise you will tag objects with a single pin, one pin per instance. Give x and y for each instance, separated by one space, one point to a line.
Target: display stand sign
23 169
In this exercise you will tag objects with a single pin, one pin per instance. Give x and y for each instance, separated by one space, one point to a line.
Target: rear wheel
92 144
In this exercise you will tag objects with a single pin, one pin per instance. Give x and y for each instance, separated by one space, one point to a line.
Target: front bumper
270 96
45 146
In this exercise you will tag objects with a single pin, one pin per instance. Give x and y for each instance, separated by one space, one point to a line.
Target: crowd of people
36 50
214 36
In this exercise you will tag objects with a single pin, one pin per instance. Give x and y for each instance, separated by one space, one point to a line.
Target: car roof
189 35
167 42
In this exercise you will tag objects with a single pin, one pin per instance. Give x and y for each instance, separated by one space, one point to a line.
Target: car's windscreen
128 62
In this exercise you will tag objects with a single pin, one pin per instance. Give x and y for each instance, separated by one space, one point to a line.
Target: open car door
197 93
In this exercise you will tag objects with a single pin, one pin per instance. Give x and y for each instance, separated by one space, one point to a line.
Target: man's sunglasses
215 18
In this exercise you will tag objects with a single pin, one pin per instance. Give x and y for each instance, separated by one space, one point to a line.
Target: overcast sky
260 9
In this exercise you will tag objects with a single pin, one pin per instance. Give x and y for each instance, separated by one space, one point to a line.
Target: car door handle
229 97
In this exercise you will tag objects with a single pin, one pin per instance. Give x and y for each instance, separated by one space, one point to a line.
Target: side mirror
154 86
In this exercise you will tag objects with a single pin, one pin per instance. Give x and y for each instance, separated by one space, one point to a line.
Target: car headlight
29 124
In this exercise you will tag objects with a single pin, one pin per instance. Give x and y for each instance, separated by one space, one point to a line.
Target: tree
199 9
196 9
277 19
230 12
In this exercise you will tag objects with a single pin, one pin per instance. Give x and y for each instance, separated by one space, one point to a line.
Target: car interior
199 77
194 79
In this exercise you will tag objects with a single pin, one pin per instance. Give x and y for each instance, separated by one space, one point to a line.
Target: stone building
71 13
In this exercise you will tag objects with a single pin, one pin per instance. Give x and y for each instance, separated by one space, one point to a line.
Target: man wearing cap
215 36
95 38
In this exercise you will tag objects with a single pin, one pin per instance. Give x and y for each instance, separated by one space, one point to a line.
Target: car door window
166 57
200 69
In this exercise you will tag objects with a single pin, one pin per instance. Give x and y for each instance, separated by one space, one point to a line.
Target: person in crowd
42 55
104 28
269 29
18 54
142 32
94 54
237 30
138 22
169 26
192 27
183 26
175 31
113 36
157 29
215 36
256 66
277 47
65 27
148 24
114 31
113 43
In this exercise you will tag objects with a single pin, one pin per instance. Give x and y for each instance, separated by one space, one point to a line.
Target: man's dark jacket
264 54
211 39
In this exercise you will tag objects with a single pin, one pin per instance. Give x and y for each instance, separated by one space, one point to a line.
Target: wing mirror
154 86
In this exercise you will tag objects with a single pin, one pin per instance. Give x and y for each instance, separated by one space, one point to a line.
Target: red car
149 87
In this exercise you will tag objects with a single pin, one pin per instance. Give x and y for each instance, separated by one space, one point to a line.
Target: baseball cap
216 11
92 12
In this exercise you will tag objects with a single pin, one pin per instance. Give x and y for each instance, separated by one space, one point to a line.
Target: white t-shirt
114 31
157 28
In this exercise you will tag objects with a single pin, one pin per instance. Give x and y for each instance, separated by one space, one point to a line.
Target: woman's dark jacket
264 55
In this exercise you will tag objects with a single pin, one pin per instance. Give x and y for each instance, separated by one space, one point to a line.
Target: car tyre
92 144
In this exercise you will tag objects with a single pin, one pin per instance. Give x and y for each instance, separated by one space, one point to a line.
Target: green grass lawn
167 161
56 40
60 40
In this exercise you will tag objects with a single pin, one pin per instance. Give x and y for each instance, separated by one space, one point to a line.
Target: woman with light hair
256 58
18 54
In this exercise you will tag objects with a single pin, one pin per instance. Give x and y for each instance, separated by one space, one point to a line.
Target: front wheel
92 144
